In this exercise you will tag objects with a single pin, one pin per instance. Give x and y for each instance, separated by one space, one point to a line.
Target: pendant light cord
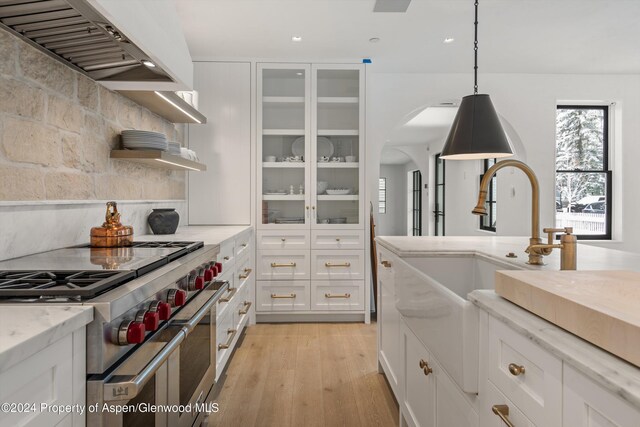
475 53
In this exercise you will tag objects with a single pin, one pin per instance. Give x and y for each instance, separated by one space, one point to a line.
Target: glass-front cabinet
310 145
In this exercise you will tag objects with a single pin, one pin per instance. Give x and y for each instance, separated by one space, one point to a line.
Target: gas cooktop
80 273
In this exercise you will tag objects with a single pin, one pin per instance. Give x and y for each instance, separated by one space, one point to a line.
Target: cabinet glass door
283 126
337 120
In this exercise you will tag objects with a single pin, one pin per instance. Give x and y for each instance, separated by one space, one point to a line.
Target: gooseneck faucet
536 249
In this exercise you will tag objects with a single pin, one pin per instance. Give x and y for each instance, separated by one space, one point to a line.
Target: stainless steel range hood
73 32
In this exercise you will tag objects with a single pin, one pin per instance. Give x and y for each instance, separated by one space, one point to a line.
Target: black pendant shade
476 132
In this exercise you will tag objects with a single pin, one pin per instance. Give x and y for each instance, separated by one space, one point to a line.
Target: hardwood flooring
305 375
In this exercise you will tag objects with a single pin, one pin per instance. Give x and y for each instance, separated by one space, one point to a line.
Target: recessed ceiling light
296 39
374 39
148 63
448 40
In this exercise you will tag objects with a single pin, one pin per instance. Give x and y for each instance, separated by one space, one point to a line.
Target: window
583 178
382 196
488 222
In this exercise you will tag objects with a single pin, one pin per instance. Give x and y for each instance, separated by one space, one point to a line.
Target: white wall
394 222
527 103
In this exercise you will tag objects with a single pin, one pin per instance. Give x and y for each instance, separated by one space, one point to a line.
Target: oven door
139 392
197 362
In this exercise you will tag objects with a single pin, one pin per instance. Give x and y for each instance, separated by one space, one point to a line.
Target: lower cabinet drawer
337 239
337 295
528 374
337 265
225 333
244 271
282 265
241 305
227 255
282 296
497 405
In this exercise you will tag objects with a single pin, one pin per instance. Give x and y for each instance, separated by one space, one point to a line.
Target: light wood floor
306 375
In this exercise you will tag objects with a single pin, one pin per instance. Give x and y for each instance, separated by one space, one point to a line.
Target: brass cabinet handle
425 367
232 292
232 334
516 370
276 296
386 264
503 412
330 264
281 265
337 296
247 273
245 310
226 258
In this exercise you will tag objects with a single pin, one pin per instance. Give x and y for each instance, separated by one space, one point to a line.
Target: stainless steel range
153 335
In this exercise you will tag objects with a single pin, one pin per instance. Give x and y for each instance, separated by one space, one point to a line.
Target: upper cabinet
310 143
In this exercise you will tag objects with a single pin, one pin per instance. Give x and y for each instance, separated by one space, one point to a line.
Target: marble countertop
589 257
27 329
615 374
209 234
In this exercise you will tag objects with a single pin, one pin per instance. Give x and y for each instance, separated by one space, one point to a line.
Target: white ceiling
392 156
537 36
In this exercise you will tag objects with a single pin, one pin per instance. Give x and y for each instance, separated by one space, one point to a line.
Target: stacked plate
144 140
174 148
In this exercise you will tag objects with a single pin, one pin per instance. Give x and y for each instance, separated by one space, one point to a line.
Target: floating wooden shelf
166 104
158 159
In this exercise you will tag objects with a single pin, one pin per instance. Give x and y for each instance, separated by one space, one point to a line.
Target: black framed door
439 195
416 208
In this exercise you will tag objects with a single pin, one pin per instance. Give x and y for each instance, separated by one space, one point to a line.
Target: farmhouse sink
431 294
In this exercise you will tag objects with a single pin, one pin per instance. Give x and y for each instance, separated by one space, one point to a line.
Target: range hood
75 33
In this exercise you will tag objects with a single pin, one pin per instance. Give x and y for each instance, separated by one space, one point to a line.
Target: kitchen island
490 359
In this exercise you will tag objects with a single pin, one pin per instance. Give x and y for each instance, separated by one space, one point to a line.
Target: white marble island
435 294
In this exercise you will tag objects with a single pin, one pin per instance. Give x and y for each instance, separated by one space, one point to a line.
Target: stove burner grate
76 284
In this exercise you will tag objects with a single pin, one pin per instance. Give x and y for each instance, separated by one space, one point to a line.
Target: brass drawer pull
516 370
503 412
226 258
386 264
330 264
232 334
283 239
245 310
232 292
244 245
276 296
425 367
337 239
247 273
281 265
337 296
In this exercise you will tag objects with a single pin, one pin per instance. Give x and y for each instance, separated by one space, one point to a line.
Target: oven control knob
209 274
150 319
164 310
129 332
200 282
176 297
219 267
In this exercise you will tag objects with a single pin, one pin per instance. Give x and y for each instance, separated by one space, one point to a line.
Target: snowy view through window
582 175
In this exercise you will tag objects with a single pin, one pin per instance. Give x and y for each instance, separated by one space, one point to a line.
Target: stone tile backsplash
57 128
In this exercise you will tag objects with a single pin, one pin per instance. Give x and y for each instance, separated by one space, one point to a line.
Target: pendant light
476 132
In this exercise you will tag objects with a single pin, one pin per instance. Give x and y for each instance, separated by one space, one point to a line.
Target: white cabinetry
389 334
310 126
53 376
222 194
586 404
235 309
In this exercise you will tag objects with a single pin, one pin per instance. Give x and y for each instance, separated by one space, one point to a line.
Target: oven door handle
126 387
205 309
